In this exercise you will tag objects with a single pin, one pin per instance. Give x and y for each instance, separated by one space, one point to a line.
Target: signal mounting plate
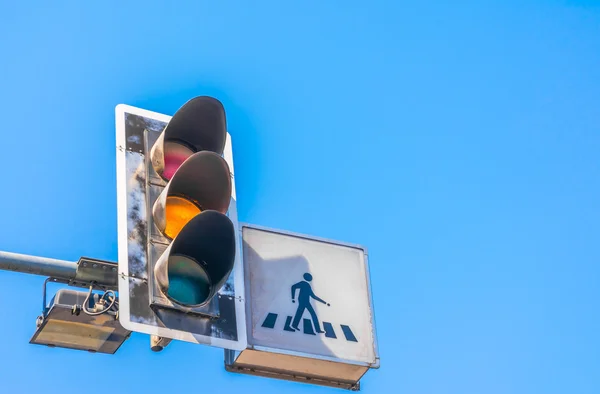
223 323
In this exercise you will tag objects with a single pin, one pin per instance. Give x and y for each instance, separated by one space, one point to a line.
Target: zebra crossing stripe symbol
307 327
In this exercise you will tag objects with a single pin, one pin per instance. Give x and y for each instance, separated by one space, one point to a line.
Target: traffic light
179 262
190 210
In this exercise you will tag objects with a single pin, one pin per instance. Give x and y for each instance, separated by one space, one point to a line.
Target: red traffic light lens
175 154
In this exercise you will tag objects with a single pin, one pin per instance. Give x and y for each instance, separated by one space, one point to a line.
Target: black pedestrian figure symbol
304 296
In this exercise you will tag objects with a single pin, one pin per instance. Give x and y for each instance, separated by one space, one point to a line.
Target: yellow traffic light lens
188 282
175 154
178 212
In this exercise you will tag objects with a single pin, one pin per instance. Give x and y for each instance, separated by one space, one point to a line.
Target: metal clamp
100 273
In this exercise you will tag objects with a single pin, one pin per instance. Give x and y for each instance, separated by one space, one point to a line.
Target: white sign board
308 296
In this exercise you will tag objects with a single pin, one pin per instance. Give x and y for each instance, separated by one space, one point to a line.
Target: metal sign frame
232 356
139 310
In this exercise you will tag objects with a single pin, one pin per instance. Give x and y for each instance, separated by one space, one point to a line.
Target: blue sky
457 141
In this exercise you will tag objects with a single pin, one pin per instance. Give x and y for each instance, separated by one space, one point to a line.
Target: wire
114 303
108 309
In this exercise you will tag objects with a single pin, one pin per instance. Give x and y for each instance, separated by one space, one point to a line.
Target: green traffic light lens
189 283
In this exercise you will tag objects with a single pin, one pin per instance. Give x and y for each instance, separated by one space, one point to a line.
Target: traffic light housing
199 260
178 232
190 210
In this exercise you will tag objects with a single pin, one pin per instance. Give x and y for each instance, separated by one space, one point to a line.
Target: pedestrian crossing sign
309 298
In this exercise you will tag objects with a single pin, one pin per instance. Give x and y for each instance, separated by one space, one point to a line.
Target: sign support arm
38 265
82 273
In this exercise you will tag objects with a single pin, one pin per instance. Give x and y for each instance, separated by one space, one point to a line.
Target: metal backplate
142 309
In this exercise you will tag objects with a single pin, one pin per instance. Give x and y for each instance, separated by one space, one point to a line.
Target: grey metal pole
38 265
